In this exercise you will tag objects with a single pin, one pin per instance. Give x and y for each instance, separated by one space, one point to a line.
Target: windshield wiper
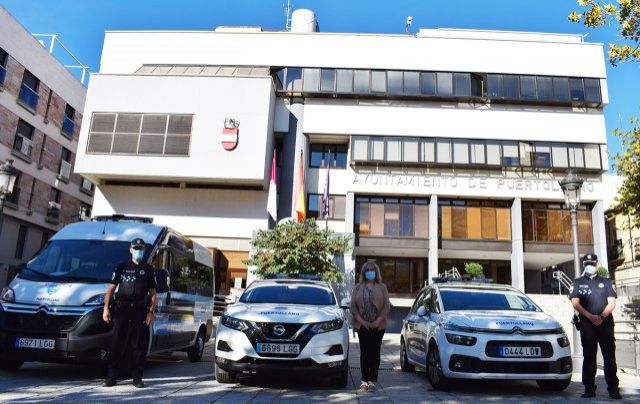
80 279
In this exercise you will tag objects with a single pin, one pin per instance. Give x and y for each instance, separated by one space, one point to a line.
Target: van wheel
404 359
222 376
553 385
435 374
195 352
11 365
340 380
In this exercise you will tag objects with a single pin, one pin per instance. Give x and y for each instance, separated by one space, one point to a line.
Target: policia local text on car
594 297
135 280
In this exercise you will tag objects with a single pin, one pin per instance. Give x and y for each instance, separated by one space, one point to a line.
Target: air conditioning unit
65 170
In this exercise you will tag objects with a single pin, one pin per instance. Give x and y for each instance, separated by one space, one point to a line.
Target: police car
470 330
284 325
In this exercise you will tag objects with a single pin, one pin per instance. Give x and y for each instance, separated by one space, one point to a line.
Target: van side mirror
162 280
422 311
345 303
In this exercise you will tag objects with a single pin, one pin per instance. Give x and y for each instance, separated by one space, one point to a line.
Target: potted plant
474 270
603 272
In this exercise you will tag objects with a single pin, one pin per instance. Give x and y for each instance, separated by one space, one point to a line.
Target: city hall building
444 146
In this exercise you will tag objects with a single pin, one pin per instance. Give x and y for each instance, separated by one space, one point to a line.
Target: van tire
197 350
222 376
11 365
435 375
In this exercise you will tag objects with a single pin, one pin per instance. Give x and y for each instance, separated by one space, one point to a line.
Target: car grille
40 322
468 364
269 330
256 335
492 349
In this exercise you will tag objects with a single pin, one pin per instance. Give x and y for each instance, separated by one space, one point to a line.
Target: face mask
370 275
590 270
137 255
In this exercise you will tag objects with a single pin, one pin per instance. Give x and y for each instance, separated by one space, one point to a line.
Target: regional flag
272 200
301 210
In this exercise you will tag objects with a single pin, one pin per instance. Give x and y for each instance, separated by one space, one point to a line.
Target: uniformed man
594 298
135 281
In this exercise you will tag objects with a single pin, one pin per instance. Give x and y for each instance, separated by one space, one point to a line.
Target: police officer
594 298
134 280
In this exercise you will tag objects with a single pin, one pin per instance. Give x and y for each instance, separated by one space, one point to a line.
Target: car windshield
289 294
69 261
486 300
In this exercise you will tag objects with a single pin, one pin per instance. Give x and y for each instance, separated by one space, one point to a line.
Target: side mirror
422 311
162 280
345 303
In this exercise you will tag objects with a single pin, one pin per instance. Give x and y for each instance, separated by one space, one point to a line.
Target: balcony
3 74
28 98
615 252
53 212
65 171
67 126
23 146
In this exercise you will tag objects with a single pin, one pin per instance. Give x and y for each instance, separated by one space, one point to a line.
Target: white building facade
445 147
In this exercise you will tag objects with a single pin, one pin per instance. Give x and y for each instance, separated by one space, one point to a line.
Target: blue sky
81 25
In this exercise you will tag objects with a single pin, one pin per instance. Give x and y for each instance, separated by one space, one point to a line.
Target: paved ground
173 378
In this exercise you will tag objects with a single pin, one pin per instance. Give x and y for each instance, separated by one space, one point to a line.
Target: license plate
279 348
35 343
520 351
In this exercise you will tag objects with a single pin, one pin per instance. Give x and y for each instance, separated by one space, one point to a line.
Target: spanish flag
301 210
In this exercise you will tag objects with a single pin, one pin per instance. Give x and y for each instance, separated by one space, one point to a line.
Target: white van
52 310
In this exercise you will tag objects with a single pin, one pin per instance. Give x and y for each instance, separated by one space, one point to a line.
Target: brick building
41 105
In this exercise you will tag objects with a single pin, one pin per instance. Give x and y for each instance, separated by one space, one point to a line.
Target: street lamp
8 175
571 186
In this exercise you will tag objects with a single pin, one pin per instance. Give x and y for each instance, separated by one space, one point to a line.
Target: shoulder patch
601 285
142 273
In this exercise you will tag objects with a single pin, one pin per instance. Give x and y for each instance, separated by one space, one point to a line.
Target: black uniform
593 294
129 313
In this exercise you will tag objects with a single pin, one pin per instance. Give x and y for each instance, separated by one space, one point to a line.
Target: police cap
590 258
137 244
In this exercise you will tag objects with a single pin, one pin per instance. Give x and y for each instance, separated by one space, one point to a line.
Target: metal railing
563 281
28 96
68 126
452 273
53 40
628 344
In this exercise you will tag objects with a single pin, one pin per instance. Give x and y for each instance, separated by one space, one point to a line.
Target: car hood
55 294
284 313
501 321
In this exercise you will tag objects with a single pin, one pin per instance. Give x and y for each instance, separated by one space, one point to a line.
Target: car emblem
517 330
279 330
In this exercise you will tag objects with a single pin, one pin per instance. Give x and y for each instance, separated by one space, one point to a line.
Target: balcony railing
3 74
65 170
67 126
23 145
616 250
28 97
53 211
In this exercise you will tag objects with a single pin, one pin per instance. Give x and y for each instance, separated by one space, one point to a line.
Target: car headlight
327 326
458 339
563 341
97 300
8 295
234 323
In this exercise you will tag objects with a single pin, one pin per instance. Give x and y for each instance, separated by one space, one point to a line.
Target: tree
626 16
295 248
473 269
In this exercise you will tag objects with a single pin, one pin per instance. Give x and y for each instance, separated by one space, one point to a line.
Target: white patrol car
472 330
284 325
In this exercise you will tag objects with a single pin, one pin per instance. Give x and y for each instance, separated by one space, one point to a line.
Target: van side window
435 303
191 277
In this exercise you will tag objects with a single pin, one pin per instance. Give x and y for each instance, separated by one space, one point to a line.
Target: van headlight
234 323
327 326
8 295
97 300
563 341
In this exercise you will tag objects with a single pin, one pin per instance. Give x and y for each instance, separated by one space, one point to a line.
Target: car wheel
222 376
404 360
553 385
195 352
340 380
435 374
11 365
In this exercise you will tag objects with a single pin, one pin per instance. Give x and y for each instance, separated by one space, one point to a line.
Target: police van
52 310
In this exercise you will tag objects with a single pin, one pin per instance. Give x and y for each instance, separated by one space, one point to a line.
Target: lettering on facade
473 183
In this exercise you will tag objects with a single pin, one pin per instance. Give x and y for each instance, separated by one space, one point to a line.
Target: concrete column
599 234
517 245
294 142
433 237
349 213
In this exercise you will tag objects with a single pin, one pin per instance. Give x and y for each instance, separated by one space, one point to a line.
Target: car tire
405 366
11 365
197 350
222 376
435 374
341 380
553 385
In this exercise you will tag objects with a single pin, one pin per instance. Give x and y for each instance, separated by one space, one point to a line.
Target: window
289 294
493 152
528 87
592 156
510 87
510 156
337 205
378 81
394 82
411 83
142 134
377 148
327 79
14 196
20 242
494 86
64 168
477 152
545 88
460 151
293 79
577 89
542 155
592 91
559 155
321 154
361 81
85 211
393 217
443 150
462 84
445 84
393 149
67 122
190 276
360 150
23 142
3 64
427 151
311 80
475 220
344 81
477 85
428 83
44 239
410 150
526 153
576 156
29 90
551 223
561 89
